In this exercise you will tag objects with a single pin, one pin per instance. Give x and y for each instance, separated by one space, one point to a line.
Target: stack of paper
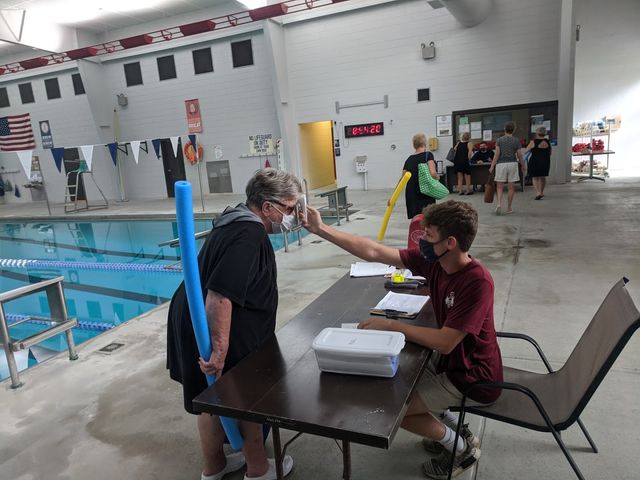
371 269
402 303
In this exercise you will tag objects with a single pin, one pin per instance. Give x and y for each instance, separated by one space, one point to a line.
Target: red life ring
190 153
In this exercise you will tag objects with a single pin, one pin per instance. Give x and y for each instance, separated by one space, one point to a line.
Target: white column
561 172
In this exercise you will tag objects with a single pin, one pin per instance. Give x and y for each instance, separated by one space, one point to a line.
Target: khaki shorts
507 172
436 390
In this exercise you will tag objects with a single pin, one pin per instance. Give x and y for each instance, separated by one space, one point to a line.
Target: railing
60 322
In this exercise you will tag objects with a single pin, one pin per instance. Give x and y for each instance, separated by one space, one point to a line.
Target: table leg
337 208
277 450
346 460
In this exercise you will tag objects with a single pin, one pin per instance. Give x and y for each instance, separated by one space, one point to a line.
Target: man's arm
442 340
362 247
218 309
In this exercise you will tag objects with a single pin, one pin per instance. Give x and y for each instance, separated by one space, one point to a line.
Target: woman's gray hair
269 184
465 137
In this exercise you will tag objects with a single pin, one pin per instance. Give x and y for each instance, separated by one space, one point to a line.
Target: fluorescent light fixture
251 4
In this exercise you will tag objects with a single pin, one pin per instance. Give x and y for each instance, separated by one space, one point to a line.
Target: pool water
132 283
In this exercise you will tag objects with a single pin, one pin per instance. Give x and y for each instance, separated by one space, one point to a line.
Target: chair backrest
609 331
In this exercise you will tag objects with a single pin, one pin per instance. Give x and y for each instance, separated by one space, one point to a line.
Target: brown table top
281 384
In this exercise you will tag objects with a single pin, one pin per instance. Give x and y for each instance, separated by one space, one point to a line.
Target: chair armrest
527 338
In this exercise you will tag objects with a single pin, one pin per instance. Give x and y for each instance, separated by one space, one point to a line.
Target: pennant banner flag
156 147
25 157
58 154
192 139
174 144
113 150
87 153
135 149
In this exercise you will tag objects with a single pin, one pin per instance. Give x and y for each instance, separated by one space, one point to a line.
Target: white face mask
288 221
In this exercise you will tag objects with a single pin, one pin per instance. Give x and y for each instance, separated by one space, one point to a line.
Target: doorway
318 163
219 176
173 165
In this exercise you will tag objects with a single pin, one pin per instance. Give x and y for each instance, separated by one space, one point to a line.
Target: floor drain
112 347
316 241
360 218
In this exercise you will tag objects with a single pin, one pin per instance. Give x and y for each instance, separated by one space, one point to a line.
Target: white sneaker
235 461
287 466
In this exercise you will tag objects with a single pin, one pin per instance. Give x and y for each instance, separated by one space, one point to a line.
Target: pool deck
119 416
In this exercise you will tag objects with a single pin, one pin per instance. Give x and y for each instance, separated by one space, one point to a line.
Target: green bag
428 185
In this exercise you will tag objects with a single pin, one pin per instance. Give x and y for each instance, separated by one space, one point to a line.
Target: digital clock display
364 130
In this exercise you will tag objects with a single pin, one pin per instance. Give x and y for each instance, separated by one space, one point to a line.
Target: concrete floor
119 416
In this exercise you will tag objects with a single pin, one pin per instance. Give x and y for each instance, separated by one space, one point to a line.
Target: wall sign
364 130
261 144
194 120
45 134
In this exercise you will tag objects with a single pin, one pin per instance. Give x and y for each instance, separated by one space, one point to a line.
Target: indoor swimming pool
113 271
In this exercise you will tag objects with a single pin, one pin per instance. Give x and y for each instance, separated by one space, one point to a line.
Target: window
52 87
166 68
202 61
78 86
4 97
26 93
133 74
242 53
423 95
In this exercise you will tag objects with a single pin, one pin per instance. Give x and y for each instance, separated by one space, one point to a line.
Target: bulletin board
487 124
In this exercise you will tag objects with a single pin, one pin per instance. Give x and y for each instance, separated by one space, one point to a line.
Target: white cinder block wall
234 102
71 124
351 57
608 74
360 56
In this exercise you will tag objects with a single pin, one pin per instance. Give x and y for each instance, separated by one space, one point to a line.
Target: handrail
61 323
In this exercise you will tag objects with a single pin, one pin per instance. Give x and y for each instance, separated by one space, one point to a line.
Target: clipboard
392 313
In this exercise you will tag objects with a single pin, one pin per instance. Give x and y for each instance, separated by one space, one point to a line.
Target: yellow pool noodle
392 203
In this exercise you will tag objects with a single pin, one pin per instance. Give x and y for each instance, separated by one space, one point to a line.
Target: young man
505 163
238 275
482 155
465 348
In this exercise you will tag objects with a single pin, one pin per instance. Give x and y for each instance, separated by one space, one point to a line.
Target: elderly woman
464 152
540 161
416 200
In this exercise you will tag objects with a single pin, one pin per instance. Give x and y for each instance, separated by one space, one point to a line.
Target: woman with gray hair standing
238 273
540 161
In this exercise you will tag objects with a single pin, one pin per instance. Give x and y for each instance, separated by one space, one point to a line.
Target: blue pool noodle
186 235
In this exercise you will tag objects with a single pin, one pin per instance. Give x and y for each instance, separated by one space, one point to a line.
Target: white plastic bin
358 352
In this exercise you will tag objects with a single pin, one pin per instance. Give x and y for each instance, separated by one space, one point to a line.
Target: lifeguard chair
75 191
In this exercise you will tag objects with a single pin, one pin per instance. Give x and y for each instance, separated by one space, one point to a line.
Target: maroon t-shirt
464 301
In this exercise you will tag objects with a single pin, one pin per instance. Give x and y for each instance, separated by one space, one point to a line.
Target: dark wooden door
173 165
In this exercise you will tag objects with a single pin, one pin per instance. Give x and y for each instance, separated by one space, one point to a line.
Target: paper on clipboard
370 269
402 302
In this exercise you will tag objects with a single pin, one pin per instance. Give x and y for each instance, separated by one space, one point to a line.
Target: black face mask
427 251
483 150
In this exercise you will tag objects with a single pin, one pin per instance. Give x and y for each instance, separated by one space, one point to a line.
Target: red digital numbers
364 130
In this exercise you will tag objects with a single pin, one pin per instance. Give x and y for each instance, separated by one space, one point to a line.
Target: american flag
16 133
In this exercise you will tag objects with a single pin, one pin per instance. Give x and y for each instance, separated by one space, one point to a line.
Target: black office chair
557 398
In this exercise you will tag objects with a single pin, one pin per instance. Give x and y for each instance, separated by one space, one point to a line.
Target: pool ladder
61 323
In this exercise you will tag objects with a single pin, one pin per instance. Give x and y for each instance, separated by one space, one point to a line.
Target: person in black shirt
540 161
464 150
482 155
238 275
416 200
